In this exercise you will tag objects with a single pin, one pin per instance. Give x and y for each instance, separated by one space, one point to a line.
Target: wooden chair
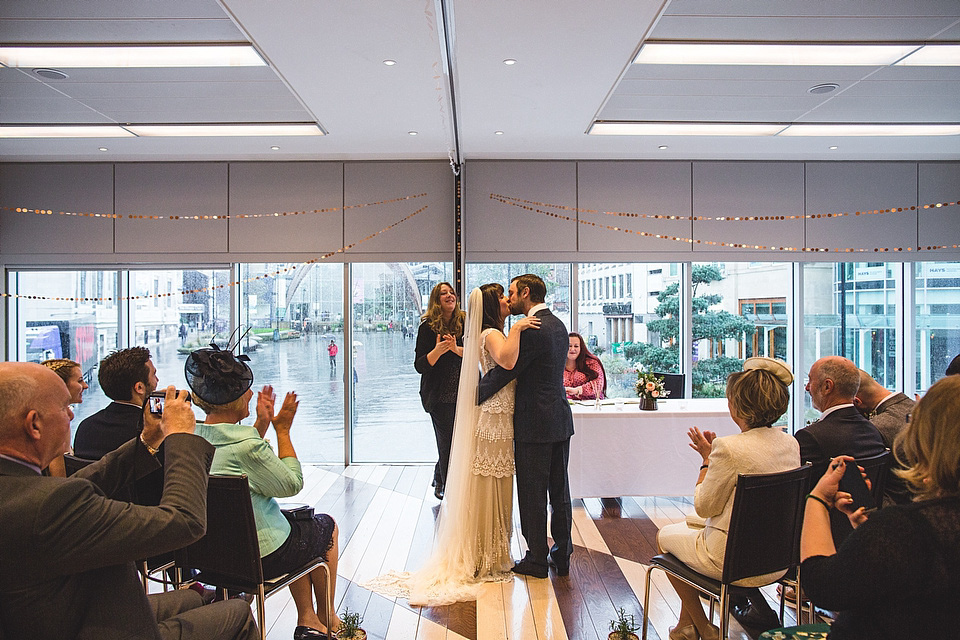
228 556
764 537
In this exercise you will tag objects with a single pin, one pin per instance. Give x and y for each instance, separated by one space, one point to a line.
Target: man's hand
152 432
284 418
178 414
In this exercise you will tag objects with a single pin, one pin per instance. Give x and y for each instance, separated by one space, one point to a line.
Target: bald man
832 383
887 410
67 550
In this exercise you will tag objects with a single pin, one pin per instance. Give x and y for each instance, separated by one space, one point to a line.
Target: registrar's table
622 451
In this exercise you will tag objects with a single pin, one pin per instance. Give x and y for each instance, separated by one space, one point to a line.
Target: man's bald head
34 412
870 392
833 380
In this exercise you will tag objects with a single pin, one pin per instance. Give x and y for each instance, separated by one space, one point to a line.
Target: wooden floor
386 517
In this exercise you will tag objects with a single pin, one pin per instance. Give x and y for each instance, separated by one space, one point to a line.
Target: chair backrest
230 547
72 463
877 469
764 534
672 382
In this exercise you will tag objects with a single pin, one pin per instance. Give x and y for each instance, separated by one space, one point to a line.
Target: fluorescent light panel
934 55
870 130
63 131
683 129
132 56
225 130
772 54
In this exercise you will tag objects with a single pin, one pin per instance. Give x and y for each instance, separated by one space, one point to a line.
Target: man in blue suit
542 426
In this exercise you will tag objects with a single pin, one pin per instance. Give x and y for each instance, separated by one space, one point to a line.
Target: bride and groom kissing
514 419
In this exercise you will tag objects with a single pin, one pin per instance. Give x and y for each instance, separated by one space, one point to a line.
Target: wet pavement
390 424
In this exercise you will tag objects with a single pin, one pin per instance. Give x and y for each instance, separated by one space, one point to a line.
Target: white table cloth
627 452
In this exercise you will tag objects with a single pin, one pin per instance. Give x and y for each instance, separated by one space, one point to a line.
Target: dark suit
842 432
107 430
542 426
67 551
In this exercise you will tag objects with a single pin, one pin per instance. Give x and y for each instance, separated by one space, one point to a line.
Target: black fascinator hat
216 375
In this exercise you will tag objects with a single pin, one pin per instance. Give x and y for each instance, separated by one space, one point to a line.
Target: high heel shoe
688 632
713 633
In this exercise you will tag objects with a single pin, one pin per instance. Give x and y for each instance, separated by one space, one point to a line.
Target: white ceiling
574 67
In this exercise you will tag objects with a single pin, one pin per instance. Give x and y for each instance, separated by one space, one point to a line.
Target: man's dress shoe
755 620
527 568
438 493
560 564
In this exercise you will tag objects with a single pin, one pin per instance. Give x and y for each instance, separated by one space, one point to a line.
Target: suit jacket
891 417
542 413
67 550
843 432
109 429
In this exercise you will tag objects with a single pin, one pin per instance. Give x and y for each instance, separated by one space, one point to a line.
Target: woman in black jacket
439 353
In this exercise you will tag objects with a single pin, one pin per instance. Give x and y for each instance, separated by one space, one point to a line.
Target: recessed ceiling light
389 63
833 148
826 87
212 130
51 74
412 133
498 133
773 54
275 148
104 149
684 129
870 130
662 147
63 131
509 62
137 56
942 55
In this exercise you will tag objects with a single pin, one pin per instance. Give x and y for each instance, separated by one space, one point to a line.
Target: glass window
387 300
292 317
641 330
83 329
845 314
173 325
734 319
938 333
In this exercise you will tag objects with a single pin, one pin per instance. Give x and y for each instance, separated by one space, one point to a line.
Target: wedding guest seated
888 411
221 383
757 397
67 548
583 375
896 575
72 376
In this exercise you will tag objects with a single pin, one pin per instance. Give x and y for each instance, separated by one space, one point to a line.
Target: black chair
228 556
764 537
73 463
672 382
877 469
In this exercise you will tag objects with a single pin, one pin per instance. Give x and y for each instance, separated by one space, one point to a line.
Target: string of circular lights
735 245
659 216
262 276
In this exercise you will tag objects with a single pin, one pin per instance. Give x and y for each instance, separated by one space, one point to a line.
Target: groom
542 426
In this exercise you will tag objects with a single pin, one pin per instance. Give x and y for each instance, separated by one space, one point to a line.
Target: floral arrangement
650 386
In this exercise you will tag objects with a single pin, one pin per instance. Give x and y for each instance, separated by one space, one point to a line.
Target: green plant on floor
350 625
624 626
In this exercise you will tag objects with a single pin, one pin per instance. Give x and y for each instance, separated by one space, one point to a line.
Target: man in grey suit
67 550
542 426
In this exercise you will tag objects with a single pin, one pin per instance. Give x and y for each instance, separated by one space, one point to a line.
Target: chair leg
328 596
782 602
724 611
261 611
144 576
799 594
646 602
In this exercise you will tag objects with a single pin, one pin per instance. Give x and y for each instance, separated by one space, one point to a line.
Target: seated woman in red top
583 377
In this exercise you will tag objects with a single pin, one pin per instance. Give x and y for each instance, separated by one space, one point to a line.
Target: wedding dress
472 540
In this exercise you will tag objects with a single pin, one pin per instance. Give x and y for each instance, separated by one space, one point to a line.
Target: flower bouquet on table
650 389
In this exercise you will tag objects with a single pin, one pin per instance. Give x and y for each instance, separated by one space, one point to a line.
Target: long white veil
449 574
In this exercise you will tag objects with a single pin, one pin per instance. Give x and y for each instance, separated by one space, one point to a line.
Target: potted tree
350 626
623 627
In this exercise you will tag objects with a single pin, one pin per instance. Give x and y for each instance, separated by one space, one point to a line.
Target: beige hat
778 368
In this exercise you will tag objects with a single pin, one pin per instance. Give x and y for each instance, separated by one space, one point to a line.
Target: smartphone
854 484
155 402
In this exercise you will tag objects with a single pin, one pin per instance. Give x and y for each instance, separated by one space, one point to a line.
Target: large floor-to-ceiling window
937 291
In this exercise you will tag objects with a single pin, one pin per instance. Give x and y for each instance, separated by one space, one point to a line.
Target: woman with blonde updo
72 376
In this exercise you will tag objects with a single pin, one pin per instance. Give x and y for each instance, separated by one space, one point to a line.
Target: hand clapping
701 442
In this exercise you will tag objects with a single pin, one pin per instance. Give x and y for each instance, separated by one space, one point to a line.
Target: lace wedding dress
472 541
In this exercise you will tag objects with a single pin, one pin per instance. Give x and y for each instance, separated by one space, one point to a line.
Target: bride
472 541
